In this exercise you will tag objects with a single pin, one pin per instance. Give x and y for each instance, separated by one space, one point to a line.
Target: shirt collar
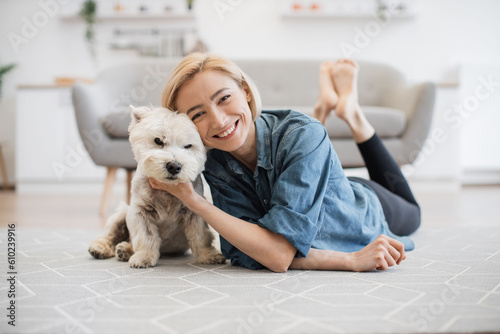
263 143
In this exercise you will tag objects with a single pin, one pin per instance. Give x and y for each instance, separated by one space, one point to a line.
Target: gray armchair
102 115
401 112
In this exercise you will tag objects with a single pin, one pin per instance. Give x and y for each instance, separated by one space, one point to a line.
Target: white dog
167 147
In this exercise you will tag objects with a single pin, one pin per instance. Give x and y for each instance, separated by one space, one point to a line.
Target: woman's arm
270 249
382 253
273 251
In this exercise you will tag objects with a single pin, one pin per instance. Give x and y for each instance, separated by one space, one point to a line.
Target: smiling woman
281 199
223 117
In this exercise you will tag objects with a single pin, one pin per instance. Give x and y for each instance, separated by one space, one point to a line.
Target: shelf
343 15
43 86
135 17
352 9
348 13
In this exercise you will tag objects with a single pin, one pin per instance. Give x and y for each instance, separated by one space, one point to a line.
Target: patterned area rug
450 284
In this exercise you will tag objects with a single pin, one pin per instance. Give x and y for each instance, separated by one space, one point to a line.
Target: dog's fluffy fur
167 147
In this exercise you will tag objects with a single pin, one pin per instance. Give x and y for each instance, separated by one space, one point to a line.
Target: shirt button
266 201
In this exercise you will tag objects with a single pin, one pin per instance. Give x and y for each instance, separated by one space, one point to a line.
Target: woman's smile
228 133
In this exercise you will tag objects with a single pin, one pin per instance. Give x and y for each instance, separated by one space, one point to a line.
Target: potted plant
4 69
88 13
190 4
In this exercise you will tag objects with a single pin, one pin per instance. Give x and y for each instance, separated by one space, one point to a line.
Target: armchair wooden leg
3 170
130 174
108 188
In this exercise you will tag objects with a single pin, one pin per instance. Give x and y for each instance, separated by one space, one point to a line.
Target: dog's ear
136 114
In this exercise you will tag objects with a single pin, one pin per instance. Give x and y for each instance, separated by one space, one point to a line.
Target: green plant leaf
6 68
88 11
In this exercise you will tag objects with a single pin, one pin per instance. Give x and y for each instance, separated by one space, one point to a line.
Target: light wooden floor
470 206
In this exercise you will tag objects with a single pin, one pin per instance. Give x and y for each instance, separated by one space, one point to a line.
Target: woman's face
219 109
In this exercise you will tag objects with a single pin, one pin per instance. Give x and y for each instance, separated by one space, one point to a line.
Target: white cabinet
48 145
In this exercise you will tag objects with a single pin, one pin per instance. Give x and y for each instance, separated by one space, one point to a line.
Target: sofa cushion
116 124
388 122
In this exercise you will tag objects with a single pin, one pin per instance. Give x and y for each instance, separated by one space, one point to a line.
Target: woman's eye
224 98
195 116
158 141
188 146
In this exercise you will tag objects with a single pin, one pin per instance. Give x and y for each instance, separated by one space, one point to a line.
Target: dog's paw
143 259
211 257
124 251
100 249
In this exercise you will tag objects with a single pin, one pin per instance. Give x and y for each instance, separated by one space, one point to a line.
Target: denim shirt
298 190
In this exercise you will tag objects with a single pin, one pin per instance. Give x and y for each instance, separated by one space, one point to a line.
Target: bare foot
327 99
345 77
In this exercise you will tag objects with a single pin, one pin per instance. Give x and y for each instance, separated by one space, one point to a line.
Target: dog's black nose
174 168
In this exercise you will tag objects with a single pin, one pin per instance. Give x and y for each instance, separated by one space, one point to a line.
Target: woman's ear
247 91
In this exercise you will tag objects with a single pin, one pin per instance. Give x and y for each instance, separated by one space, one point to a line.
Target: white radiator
478 117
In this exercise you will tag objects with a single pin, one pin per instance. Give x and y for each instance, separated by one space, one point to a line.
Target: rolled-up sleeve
302 178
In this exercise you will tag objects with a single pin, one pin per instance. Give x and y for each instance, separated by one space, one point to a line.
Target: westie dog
167 147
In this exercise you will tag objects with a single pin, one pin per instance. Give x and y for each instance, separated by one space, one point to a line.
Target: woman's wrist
345 261
318 259
194 202
350 261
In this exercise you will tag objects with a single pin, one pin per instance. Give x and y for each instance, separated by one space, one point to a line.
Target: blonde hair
195 63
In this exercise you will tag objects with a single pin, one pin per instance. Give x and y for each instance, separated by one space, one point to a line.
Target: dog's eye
188 146
158 141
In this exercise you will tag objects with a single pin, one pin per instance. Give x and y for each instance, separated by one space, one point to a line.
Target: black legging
401 210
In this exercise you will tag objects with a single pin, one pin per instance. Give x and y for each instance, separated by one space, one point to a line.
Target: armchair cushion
116 124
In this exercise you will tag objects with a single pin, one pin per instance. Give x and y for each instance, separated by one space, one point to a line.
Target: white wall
430 46
443 34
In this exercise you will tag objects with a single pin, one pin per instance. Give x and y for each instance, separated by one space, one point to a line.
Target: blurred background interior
47 45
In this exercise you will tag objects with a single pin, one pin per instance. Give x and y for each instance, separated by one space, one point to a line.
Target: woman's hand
382 253
183 191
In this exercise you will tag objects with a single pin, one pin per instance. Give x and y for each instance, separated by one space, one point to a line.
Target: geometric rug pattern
449 284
